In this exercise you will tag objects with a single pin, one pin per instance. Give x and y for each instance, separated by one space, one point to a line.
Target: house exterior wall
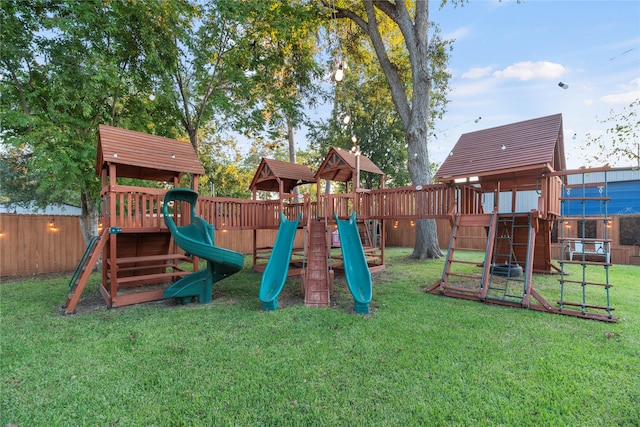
64 209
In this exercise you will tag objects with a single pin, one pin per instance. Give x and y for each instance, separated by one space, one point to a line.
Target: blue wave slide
196 238
356 269
275 273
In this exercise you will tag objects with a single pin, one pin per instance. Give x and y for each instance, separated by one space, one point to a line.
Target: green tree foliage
171 68
225 173
248 65
67 67
621 141
363 97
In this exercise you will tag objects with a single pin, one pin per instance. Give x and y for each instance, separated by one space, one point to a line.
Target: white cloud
457 34
532 70
479 87
621 98
630 93
477 72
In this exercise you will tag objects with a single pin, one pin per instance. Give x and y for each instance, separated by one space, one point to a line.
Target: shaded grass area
418 359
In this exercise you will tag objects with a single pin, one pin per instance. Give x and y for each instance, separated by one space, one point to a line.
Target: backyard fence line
37 244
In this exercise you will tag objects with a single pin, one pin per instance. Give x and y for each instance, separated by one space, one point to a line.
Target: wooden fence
35 244
29 244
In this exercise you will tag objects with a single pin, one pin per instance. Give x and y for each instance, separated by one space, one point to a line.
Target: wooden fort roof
144 156
516 154
340 165
271 173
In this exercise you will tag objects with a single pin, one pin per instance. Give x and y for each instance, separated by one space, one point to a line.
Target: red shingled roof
518 152
144 156
271 172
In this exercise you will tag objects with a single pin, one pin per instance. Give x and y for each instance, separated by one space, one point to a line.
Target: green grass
418 359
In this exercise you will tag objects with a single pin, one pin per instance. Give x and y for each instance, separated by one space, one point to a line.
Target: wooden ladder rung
585 240
606 285
465 262
149 258
454 288
469 276
151 277
579 199
577 304
585 262
148 267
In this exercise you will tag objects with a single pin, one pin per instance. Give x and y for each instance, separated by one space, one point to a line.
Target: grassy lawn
418 359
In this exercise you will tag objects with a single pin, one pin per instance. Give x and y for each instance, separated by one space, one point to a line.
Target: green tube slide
356 269
196 239
275 273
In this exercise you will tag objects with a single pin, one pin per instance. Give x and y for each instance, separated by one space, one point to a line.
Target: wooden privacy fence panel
242 240
402 233
28 245
36 244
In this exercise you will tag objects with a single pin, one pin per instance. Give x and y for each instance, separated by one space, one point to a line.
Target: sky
509 57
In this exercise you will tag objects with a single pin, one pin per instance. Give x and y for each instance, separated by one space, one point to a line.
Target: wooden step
577 304
149 258
469 276
151 278
606 285
586 262
316 281
456 289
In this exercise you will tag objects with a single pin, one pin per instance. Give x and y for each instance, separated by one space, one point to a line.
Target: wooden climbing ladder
84 269
507 267
316 275
514 246
479 282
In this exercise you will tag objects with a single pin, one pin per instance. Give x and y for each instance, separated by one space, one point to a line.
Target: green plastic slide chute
275 273
356 269
196 239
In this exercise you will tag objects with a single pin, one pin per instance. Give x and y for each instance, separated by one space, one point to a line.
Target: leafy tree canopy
621 141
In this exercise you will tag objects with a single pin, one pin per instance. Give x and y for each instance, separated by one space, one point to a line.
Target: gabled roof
518 152
271 173
144 156
340 165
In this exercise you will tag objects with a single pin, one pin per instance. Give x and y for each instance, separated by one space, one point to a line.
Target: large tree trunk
292 152
427 245
413 110
89 220
89 217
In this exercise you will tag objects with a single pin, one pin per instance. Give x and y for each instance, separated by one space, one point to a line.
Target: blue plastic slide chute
275 273
356 269
196 239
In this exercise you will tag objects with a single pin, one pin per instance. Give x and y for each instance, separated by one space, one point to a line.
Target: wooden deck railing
240 214
421 202
141 208
133 207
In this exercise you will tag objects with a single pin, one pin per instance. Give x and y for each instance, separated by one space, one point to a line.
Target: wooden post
112 256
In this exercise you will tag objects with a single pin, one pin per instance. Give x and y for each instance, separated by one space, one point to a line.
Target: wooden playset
140 259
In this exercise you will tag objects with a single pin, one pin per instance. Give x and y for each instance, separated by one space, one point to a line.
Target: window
587 229
630 230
